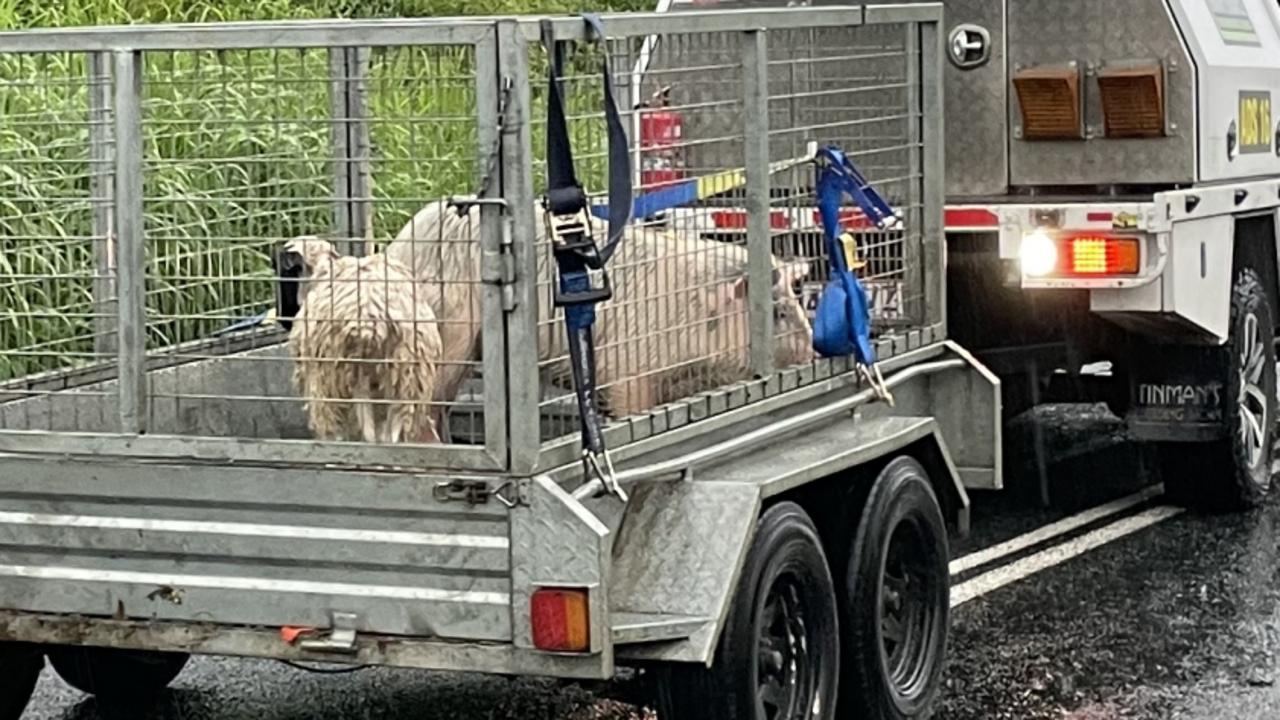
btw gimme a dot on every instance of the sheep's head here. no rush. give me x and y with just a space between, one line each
305 253
298 260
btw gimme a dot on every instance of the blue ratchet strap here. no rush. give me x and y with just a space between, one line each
842 323
574 247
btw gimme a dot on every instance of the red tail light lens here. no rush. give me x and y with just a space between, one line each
1093 255
560 620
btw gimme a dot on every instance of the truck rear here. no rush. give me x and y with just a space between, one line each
162 489
1113 183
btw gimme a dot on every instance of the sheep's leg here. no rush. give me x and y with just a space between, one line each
438 418
397 421
365 417
324 416
430 433
368 423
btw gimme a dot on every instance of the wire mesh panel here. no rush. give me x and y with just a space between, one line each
255 164
237 147
424 135
382 132
56 293
680 329
851 87
154 195
677 323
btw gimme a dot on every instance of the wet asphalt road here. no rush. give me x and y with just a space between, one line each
1180 621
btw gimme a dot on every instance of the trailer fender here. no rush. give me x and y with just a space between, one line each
679 549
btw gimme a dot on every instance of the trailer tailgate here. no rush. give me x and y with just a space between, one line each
252 547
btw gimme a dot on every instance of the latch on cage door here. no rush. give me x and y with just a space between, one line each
477 492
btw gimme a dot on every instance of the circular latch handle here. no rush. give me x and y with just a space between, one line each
969 46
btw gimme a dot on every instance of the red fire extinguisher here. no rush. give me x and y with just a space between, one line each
661 131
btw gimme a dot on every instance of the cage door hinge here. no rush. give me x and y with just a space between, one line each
499 268
507 267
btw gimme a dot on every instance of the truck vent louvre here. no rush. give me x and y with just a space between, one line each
1132 101
1050 101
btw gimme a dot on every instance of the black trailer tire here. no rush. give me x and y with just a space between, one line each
115 676
20 666
778 655
1235 473
897 600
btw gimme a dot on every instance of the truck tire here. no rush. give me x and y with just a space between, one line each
778 655
897 600
20 666
1234 473
115 676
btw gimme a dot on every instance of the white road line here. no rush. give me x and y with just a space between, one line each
1047 558
1052 530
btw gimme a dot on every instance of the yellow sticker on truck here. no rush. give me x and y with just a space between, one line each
1256 134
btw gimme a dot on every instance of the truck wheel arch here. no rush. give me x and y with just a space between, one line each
1257 246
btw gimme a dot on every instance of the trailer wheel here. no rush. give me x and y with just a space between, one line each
1197 474
778 656
20 666
116 676
897 600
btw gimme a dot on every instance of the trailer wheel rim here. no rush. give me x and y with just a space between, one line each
785 674
1252 399
908 615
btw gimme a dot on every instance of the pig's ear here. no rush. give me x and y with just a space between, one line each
788 273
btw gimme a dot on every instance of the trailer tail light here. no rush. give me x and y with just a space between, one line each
1049 98
560 620
1132 101
1101 256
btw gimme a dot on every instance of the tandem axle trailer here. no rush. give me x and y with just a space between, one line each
783 544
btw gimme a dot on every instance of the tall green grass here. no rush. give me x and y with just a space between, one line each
238 155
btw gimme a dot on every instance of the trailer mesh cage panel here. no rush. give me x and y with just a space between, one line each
141 308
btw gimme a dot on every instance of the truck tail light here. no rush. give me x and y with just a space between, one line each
1092 255
1132 101
560 620
1044 256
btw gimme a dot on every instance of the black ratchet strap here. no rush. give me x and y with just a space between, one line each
574 247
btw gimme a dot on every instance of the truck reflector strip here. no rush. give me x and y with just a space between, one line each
957 218
964 218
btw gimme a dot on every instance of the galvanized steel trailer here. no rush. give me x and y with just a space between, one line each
160 494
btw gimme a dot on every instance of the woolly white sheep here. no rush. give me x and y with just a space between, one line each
364 339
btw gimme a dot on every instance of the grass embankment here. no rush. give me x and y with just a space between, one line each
238 153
